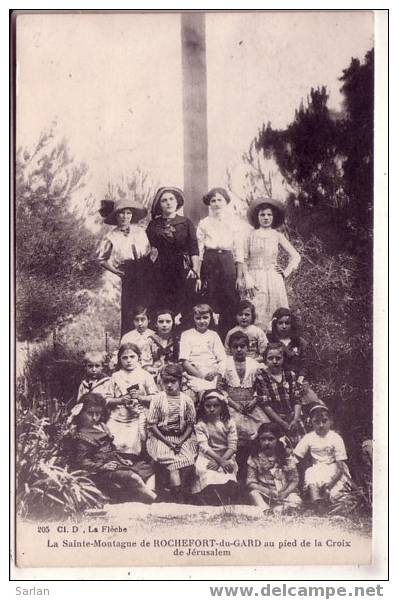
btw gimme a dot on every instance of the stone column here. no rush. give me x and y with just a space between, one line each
193 41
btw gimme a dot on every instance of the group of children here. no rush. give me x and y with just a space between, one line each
186 418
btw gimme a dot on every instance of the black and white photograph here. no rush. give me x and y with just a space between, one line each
193 218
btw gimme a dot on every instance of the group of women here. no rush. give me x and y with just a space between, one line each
171 263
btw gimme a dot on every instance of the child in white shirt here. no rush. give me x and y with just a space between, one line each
201 351
328 476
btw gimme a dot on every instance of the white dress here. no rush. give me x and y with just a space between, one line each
127 423
206 352
261 256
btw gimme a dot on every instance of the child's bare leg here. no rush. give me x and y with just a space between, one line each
292 501
143 489
150 482
176 489
257 500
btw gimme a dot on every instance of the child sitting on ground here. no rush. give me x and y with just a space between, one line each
215 467
328 476
171 442
272 477
130 391
92 449
245 318
94 378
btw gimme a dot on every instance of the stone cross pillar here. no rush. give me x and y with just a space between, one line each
194 86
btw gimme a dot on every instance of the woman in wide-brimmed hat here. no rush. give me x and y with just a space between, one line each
264 278
221 258
174 238
125 251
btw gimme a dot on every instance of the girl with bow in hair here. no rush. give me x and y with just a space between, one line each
91 449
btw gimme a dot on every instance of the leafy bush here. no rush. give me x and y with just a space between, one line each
51 378
354 502
45 487
332 298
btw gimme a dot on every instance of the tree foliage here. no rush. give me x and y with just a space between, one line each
137 185
307 152
326 160
55 252
327 157
357 137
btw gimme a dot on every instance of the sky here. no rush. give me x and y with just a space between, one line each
112 83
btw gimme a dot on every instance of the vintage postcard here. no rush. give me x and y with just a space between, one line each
195 300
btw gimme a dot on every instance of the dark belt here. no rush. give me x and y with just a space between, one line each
126 264
217 251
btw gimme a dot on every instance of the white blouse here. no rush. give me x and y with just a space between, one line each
327 449
119 246
218 234
231 375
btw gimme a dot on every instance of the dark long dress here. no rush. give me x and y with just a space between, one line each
175 240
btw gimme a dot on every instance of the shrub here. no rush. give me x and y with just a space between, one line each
332 298
45 487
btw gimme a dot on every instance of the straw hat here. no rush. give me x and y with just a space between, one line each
109 214
213 192
257 204
156 210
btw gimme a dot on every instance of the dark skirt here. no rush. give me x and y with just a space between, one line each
174 290
137 288
141 465
219 282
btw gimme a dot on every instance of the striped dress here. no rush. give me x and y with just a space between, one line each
172 415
